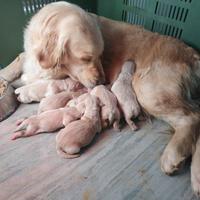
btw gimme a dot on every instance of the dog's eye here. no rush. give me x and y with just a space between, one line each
87 59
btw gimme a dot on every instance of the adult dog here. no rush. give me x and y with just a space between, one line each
60 40
166 80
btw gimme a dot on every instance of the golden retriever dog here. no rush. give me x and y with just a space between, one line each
166 80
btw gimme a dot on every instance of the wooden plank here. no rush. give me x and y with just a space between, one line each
117 165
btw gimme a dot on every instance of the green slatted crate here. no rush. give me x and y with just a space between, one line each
177 18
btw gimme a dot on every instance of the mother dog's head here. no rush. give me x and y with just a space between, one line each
67 40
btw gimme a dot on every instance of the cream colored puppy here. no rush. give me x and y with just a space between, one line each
34 92
48 121
79 102
110 114
78 134
123 90
58 100
63 40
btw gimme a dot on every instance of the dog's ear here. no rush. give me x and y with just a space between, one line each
47 54
54 54
63 52
45 60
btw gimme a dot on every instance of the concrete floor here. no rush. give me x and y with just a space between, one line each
116 166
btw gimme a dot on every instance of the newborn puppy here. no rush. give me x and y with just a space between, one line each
58 100
123 90
41 88
45 122
110 113
79 102
78 134
57 86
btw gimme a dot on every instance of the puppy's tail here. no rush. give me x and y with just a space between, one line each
65 155
14 69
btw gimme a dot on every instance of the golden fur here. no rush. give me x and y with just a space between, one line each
166 83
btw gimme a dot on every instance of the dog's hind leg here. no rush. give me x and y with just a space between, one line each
165 92
183 141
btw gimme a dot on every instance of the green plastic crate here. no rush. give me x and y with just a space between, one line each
177 18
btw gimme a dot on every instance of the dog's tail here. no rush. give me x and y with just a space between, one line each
14 69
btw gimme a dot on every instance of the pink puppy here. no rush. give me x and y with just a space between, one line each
78 134
110 113
34 92
58 100
79 102
123 90
57 86
48 121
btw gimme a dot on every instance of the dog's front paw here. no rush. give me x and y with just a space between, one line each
171 161
22 96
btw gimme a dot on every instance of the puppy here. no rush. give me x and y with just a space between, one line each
57 86
48 121
58 100
80 133
110 114
79 102
34 92
123 90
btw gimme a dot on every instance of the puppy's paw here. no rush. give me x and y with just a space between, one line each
19 121
116 126
18 134
171 161
132 125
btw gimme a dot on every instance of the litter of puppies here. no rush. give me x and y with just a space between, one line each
80 113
